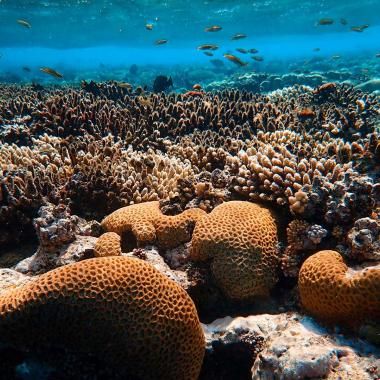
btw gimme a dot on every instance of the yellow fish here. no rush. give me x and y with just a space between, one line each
24 23
160 42
149 26
52 72
238 36
214 28
235 59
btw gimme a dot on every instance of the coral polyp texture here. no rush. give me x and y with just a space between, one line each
148 224
334 292
240 239
120 309
109 244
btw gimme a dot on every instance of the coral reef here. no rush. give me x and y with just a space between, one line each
151 165
332 291
121 309
240 239
148 224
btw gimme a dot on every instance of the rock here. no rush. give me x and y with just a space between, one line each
153 257
63 239
10 278
81 248
364 240
285 346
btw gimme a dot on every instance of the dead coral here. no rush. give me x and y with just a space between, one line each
301 238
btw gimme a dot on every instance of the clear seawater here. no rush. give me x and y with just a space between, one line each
100 39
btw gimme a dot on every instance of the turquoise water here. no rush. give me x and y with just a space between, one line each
81 39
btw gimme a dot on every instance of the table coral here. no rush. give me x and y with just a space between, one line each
332 291
148 224
120 309
240 239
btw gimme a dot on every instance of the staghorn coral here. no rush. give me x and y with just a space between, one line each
148 224
240 239
29 177
108 244
336 293
107 176
93 177
120 309
263 146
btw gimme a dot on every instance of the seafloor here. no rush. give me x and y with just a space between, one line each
302 162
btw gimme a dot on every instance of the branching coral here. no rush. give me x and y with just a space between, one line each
298 148
120 309
240 239
336 293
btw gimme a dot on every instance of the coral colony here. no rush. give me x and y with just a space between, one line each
156 211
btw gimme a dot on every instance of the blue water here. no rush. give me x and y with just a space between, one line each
78 38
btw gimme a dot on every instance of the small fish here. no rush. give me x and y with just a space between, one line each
126 85
316 49
207 47
377 55
208 53
241 50
343 21
27 69
325 21
238 36
336 57
24 23
1 55
359 28
149 26
52 72
214 28
197 87
258 58
253 51
235 59
160 42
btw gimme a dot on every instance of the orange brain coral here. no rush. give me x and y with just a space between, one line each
336 293
109 244
121 309
241 240
148 224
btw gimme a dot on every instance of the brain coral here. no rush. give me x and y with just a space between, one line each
241 240
120 309
148 224
336 293
109 244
